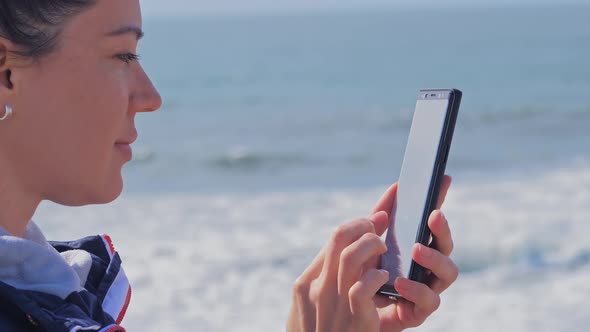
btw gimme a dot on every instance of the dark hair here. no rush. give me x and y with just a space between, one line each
35 25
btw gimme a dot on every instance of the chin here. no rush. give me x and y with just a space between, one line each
109 196
91 196
111 192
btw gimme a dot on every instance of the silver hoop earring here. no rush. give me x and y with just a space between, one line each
7 114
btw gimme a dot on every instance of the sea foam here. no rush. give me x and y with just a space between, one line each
227 262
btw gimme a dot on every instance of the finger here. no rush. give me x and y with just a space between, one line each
425 300
344 236
441 266
362 292
380 221
385 203
314 269
354 257
441 233
444 189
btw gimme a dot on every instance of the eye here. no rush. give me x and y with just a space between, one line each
128 57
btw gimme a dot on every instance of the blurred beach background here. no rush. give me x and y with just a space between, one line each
279 124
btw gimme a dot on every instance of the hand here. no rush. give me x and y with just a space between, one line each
337 291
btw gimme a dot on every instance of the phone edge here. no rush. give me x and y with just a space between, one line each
417 271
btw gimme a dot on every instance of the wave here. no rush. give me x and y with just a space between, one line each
143 154
369 121
526 259
537 221
513 239
242 159
522 114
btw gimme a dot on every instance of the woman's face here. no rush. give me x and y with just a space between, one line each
74 105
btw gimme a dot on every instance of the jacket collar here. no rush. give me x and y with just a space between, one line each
31 263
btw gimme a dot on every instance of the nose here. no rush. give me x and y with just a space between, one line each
146 97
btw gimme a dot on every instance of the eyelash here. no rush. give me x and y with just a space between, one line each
128 57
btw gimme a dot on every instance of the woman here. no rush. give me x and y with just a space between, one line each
70 88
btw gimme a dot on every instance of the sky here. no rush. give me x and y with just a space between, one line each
190 7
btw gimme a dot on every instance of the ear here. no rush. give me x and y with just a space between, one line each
7 63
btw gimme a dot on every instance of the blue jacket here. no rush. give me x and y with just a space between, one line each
40 293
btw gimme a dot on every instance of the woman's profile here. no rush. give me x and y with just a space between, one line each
70 89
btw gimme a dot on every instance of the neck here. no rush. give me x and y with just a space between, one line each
16 206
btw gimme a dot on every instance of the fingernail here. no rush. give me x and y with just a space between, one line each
424 251
384 273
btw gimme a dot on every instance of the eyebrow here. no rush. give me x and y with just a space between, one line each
125 30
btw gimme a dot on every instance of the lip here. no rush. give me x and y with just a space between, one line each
125 150
127 141
124 146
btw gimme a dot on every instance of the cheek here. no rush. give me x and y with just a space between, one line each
98 116
78 118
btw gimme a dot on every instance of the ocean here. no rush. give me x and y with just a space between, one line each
276 128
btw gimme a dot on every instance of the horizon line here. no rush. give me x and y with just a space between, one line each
298 10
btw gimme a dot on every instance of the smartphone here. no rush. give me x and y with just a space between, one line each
420 179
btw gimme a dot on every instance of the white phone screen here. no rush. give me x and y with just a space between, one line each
415 178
